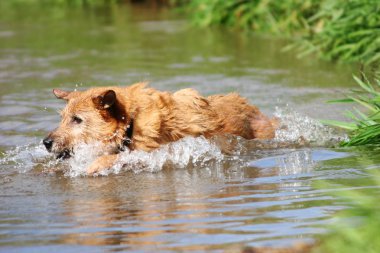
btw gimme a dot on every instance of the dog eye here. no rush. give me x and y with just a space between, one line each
77 120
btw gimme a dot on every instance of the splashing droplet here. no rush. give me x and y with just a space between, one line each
295 127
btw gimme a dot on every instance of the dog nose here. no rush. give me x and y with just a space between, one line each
48 142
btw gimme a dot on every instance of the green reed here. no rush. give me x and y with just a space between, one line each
345 31
364 127
272 16
341 30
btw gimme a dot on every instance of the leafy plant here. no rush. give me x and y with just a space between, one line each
348 31
338 30
272 16
365 127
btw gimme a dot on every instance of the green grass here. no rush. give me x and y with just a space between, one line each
348 31
356 229
337 30
364 128
277 17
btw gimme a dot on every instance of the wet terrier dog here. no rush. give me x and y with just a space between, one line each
142 118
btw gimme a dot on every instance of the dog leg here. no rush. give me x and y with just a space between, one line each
102 163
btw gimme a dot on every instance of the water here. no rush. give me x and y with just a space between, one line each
186 196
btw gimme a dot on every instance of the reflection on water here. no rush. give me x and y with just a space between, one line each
191 196
259 203
202 200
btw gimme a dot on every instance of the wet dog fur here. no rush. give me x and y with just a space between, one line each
142 118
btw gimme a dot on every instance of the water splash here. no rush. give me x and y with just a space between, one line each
187 151
295 127
26 158
180 154
295 131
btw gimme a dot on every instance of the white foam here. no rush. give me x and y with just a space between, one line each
26 158
295 127
187 151
84 155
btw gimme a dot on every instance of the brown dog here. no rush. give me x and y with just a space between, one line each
142 118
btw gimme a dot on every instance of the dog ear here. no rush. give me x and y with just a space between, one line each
61 94
106 100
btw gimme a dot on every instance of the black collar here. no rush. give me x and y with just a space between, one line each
127 140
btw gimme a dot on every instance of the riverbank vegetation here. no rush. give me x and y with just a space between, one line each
355 228
364 128
337 30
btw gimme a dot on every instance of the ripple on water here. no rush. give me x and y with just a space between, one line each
15 110
263 196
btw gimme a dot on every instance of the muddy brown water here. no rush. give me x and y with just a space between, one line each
190 197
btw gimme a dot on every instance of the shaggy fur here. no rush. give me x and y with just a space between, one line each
105 114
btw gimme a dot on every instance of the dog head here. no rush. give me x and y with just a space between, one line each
92 116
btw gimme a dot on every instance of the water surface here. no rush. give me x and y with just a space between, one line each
192 197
